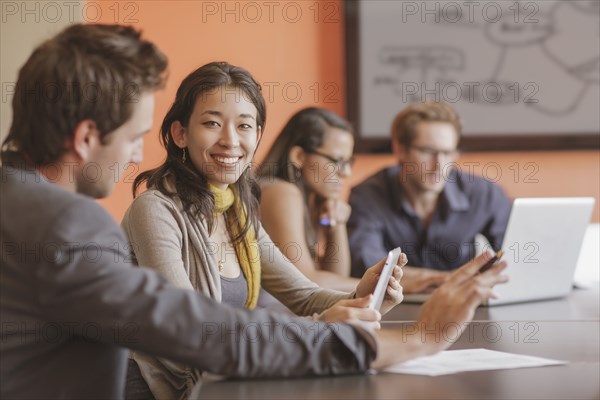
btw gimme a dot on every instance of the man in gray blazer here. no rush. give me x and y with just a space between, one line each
70 303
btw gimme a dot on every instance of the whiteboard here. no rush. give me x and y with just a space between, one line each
508 67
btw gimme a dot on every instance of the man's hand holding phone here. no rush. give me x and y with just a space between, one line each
452 305
490 263
454 302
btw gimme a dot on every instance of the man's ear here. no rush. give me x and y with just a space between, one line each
399 150
178 134
297 156
86 139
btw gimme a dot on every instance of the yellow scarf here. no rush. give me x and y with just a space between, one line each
246 250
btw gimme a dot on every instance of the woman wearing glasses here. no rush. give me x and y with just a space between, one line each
302 179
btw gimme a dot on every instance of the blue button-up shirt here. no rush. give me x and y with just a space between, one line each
382 218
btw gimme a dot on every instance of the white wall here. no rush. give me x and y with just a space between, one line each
24 25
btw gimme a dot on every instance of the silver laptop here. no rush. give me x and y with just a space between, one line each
541 246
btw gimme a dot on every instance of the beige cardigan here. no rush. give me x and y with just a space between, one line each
164 238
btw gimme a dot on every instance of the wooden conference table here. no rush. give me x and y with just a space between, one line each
564 329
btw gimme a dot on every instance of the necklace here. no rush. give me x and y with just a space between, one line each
219 236
222 257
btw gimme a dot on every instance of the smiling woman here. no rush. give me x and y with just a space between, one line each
198 221
221 136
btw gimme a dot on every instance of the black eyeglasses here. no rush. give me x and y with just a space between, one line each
339 163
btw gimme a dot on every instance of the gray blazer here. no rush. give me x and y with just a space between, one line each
70 305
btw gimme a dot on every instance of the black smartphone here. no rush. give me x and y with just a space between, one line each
491 262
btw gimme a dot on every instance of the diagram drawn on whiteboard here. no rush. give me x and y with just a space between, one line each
561 38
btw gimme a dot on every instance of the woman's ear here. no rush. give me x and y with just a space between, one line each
86 139
297 156
258 138
178 134
259 134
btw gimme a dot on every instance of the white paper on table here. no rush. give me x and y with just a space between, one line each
454 361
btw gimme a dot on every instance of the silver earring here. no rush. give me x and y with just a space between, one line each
183 156
294 173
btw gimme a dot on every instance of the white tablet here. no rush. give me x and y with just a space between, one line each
384 278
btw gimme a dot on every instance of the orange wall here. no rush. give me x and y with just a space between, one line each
303 53
280 54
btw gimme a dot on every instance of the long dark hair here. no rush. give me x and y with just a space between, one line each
191 185
306 129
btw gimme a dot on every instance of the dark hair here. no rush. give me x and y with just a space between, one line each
306 129
403 127
92 72
190 185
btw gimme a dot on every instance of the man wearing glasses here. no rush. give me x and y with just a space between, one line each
426 204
